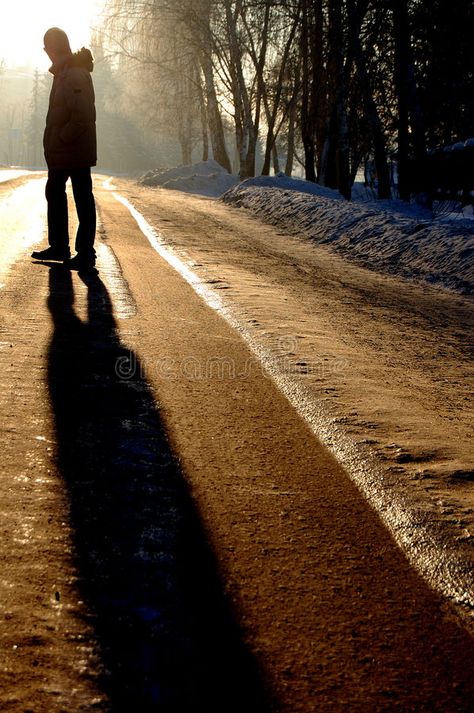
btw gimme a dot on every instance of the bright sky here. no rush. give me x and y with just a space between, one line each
24 22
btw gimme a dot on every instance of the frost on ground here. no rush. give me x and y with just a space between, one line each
388 236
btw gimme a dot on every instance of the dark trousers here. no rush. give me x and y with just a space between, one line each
58 232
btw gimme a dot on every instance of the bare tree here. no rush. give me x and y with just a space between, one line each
197 18
274 100
334 80
311 61
172 44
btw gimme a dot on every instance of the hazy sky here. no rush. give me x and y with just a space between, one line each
24 22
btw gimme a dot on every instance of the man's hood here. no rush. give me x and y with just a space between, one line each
81 58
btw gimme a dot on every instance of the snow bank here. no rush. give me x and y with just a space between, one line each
387 236
284 182
206 178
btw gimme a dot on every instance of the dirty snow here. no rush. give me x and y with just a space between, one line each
388 236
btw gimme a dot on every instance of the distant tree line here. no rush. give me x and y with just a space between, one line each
327 84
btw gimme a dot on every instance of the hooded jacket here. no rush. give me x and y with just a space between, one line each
70 135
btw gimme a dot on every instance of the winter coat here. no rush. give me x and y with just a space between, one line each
70 136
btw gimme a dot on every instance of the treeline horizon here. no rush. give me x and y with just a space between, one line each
328 84
319 88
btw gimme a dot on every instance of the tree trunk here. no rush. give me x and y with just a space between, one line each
342 151
259 62
290 150
242 104
272 114
275 160
204 120
307 117
335 164
319 103
370 108
400 29
216 129
203 115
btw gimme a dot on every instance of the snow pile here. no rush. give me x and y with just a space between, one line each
284 182
206 178
387 236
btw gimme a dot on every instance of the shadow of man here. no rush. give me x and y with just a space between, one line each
167 638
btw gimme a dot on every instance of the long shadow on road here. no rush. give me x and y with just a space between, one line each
167 638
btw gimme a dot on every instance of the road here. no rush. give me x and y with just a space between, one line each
175 536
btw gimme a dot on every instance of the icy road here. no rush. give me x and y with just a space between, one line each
235 471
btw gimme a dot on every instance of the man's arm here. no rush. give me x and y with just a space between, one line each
79 96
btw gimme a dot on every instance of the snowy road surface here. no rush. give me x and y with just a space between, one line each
173 532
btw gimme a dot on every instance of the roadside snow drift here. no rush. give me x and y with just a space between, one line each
390 237
206 178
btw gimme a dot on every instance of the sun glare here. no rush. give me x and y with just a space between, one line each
24 23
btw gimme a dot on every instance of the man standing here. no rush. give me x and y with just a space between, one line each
70 149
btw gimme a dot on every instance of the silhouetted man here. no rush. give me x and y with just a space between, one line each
70 149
